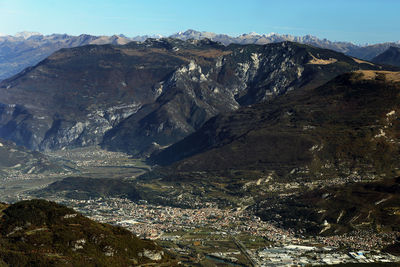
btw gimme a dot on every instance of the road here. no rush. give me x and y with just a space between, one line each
244 251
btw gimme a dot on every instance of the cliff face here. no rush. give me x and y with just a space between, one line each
145 96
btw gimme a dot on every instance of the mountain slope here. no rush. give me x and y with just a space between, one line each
389 57
152 94
244 75
304 116
43 233
343 132
75 95
339 209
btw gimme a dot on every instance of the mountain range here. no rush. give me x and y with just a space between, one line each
366 52
141 97
29 48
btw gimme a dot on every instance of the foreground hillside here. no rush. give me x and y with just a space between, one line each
42 233
343 132
144 96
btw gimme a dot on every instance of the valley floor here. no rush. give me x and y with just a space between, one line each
91 162
205 236
232 237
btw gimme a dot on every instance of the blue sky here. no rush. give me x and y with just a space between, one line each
359 21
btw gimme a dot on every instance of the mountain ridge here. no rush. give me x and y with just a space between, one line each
28 48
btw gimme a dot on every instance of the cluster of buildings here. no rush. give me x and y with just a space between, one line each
91 157
170 224
297 255
152 221
361 239
165 223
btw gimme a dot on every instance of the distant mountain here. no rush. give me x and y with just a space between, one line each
275 155
261 39
29 48
145 96
196 35
26 34
142 38
389 57
366 52
42 233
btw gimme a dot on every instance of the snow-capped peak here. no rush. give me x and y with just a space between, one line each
26 34
253 34
270 34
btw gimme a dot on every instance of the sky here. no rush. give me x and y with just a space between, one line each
357 21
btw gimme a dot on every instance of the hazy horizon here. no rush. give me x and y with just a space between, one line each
177 32
359 22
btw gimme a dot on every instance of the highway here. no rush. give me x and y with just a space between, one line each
244 251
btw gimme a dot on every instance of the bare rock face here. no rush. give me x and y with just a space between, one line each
153 255
140 97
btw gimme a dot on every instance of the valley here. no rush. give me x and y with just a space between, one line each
243 155
204 233
199 133
89 162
